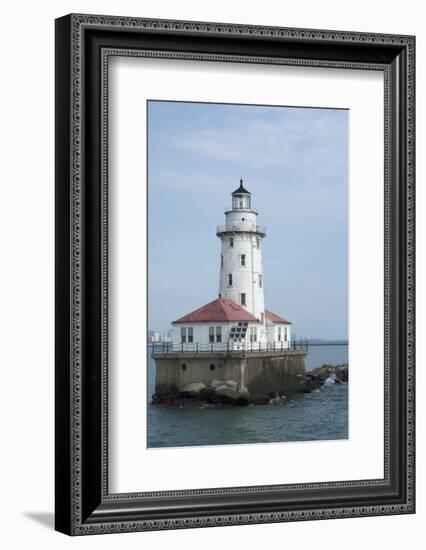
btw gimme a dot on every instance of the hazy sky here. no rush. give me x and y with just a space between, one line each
294 161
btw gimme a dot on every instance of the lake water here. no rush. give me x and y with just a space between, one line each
321 415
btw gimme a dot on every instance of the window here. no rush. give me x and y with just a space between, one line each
243 260
262 317
183 366
279 334
260 280
212 367
231 242
257 242
253 334
187 335
215 333
221 261
230 279
285 334
243 299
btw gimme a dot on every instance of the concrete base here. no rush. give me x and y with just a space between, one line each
262 374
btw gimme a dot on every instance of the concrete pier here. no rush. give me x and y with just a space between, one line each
258 375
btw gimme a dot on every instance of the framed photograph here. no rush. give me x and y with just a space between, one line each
234 274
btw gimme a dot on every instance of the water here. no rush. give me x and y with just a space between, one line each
321 415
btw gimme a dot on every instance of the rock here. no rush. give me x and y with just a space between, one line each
342 373
225 390
325 375
243 392
194 388
197 394
259 400
277 400
232 384
216 383
165 398
232 396
206 394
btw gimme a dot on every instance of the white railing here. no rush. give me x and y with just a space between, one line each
240 229
229 209
249 347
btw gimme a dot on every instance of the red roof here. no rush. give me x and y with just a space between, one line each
276 318
220 310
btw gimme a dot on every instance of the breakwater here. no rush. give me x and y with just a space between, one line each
326 374
228 392
231 378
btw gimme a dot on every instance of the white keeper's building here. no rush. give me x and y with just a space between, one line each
237 319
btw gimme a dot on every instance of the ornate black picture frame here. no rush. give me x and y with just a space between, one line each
83 45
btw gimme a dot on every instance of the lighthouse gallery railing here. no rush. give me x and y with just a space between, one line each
240 228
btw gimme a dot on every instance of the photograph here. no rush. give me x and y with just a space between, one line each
234 232
247 209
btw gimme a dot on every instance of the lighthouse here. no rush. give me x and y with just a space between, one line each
237 318
241 273
232 348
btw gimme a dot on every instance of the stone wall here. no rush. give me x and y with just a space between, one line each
262 374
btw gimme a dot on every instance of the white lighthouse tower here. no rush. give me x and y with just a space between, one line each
241 274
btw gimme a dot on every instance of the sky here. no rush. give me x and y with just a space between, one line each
294 161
